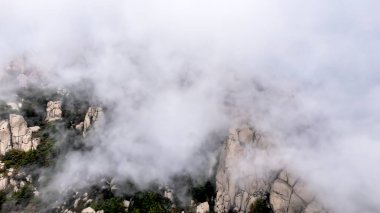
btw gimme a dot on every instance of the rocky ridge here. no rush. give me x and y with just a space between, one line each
282 191
15 134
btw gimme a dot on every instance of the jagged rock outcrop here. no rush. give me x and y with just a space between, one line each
53 111
5 136
15 134
14 180
94 119
22 136
290 194
233 191
284 191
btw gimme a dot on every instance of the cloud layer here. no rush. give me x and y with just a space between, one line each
180 73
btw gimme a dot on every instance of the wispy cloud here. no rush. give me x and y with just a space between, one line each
303 73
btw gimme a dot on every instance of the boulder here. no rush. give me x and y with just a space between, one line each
203 208
79 127
88 210
126 203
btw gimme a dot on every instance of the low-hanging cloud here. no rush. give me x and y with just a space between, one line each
178 73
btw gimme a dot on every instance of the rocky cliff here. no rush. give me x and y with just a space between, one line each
236 192
277 190
281 191
15 134
94 118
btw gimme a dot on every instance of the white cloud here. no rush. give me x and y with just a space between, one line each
304 73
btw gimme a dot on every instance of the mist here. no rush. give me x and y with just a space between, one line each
178 74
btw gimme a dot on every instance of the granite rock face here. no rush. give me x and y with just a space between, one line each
5 136
235 192
22 136
15 134
94 119
203 208
283 191
290 194
53 111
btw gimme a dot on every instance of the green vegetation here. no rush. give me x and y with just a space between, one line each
109 205
16 158
23 196
260 206
34 102
149 202
3 197
203 193
42 156
57 139
73 110
75 105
